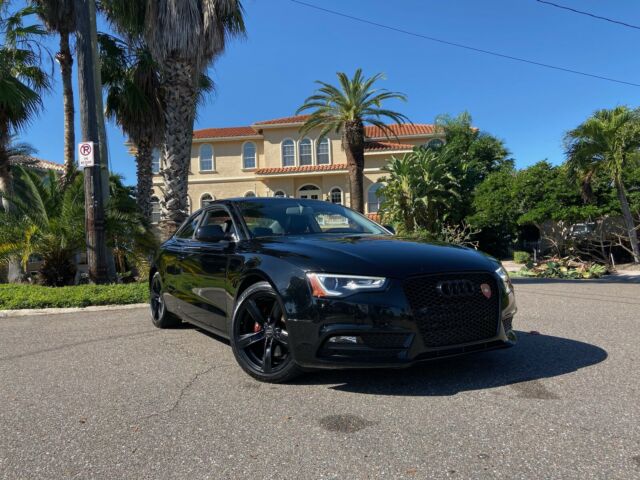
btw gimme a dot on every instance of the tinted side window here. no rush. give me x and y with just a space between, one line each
187 230
220 217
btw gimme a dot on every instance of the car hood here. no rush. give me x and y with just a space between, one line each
384 255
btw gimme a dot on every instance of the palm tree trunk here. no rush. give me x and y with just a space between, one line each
14 270
353 145
145 179
180 104
628 220
65 59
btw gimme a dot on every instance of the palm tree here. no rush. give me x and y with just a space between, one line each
48 221
346 109
419 192
184 38
132 81
59 16
607 143
22 83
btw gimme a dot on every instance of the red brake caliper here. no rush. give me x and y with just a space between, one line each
256 327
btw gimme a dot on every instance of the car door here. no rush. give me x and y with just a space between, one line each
208 263
177 281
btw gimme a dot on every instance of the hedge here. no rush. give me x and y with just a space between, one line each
15 297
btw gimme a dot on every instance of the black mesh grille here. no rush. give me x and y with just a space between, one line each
448 312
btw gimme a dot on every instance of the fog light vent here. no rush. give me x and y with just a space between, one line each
348 339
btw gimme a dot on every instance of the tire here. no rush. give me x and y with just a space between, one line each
160 316
259 336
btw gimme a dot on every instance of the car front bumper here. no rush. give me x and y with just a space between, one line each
381 331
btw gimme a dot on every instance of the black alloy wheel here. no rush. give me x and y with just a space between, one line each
259 335
160 316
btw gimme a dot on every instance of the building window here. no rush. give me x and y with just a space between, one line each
373 198
335 196
310 191
249 155
322 154
280 194
155 210
250 193
306 151
435 143
188 205
206 200
155 161
206 158
288 153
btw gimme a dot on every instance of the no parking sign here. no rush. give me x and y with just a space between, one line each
85 154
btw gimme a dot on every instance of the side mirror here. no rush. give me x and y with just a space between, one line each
390 228
211 234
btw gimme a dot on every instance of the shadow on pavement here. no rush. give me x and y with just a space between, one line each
535 357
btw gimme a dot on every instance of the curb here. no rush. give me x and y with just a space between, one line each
54 311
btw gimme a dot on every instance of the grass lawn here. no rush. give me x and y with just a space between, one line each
15 297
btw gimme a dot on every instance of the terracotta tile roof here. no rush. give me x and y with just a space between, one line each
401 130
278 121
224 132
382 146
36 163
305 168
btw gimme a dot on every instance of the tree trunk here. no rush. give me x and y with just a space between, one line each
353 145
144 152
628 220
65 59
180 105
14 267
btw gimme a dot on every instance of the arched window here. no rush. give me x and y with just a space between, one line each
305 148
188 205
250 193
322 152
310 191
205 200
435 143
249 155
335 196
155 161
155 209
280 194
206 158
373 198
288 153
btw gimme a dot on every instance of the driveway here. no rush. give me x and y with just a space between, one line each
106 395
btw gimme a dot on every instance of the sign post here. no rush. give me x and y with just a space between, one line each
85 154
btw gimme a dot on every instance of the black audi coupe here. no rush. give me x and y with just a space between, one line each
302 284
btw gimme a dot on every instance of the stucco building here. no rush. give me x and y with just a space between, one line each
271 158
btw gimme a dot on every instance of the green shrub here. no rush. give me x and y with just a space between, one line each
521 257
14 297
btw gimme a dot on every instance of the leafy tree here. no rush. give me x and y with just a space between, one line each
59 16
472 155
419 192
346 109
608 143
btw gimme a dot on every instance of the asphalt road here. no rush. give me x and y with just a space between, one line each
106 395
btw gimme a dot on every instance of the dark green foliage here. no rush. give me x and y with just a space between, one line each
14 297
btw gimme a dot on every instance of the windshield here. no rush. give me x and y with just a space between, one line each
291 216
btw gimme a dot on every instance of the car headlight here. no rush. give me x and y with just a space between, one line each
504 276
337 285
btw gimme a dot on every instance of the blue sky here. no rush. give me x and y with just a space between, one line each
289 46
